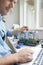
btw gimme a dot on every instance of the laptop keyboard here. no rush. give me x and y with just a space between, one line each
39 59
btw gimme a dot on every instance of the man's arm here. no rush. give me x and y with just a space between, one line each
22 56
8 60
18 30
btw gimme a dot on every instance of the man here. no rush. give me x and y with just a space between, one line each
6 58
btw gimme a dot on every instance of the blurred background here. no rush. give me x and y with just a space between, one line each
27 12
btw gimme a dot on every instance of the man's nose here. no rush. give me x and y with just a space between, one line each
11 5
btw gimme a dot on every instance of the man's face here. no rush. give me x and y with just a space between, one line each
6 5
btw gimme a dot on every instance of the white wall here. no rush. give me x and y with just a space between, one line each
41 18
40 34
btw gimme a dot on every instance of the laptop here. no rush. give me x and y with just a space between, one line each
37 57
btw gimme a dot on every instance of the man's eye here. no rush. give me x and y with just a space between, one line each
11 0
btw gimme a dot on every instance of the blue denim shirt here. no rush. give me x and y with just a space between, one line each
4 32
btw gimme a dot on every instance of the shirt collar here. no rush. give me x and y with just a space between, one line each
0 17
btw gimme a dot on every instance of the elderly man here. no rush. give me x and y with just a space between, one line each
6 58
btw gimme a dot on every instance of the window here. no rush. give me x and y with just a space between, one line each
31 13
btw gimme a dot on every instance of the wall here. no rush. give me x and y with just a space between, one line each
40 34
41 18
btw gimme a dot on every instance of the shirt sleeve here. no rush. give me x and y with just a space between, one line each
4 49
8 31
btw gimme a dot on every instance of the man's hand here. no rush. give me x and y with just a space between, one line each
24 28
24 55
18 30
